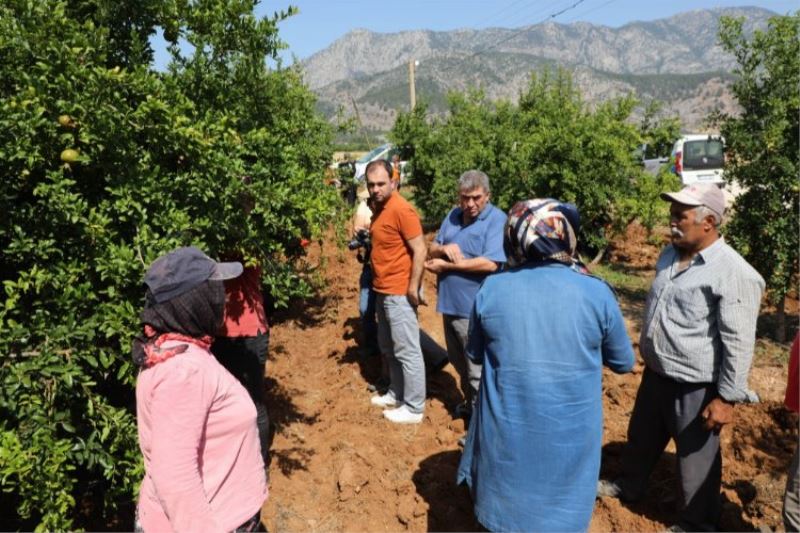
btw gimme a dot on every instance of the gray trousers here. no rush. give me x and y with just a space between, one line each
455 336
398 338
667 409
791 498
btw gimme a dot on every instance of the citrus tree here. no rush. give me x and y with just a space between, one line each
107 164
658 131
549 144
763 149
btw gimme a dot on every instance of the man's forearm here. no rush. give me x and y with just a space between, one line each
476 265
417 267
732 381
418 252
736 322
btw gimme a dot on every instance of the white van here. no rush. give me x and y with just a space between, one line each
385 151
699 158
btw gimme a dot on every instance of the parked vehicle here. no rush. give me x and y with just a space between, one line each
699 159
650 161
384 151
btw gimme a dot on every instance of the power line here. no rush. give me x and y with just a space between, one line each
528 12
521 30
576 17
485 21
573 6
516 33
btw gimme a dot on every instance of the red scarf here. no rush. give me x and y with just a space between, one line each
154 354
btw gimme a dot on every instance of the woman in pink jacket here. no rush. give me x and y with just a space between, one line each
197 423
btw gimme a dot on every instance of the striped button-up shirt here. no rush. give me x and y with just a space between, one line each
700 322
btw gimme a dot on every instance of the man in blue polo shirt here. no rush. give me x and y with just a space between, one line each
468 248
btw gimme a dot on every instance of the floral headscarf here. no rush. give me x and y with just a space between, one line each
541 229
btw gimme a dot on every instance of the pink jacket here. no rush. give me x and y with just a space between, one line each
197 432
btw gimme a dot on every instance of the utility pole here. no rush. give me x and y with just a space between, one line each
361 124
412 86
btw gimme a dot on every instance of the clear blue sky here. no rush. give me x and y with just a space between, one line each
321 22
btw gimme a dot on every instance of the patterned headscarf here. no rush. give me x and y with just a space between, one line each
541 229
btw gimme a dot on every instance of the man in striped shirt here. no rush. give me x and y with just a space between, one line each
697 344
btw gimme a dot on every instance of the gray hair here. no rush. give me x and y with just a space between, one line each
472 179
702 211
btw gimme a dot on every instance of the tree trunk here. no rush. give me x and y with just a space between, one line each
599 256
780 327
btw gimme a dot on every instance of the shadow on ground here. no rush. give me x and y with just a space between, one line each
305 312
661 499
282 413
449 506
440 385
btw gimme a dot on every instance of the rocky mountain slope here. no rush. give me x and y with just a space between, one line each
675 60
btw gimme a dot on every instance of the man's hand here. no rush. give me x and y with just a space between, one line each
717 413
418 253
415 298
453 252
437 266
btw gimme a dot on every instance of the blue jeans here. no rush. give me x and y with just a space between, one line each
398 336
366 310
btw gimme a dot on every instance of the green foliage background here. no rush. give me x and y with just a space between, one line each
165 160
550 144
763 145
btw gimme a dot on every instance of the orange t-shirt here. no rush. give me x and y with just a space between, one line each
396 173
244 306
391 227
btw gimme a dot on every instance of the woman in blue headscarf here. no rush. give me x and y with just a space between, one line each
542 329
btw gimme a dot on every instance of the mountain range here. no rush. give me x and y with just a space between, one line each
675 60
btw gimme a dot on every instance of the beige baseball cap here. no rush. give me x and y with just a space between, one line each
707 194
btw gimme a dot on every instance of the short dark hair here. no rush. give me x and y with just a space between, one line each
379 163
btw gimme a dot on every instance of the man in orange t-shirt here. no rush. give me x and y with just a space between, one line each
398 257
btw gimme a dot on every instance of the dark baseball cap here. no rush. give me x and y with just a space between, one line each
184 269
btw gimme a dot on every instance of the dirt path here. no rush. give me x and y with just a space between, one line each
339 466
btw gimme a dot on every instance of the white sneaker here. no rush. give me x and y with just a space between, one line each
387 400
402 415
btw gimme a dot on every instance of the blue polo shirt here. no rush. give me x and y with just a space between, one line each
483 237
